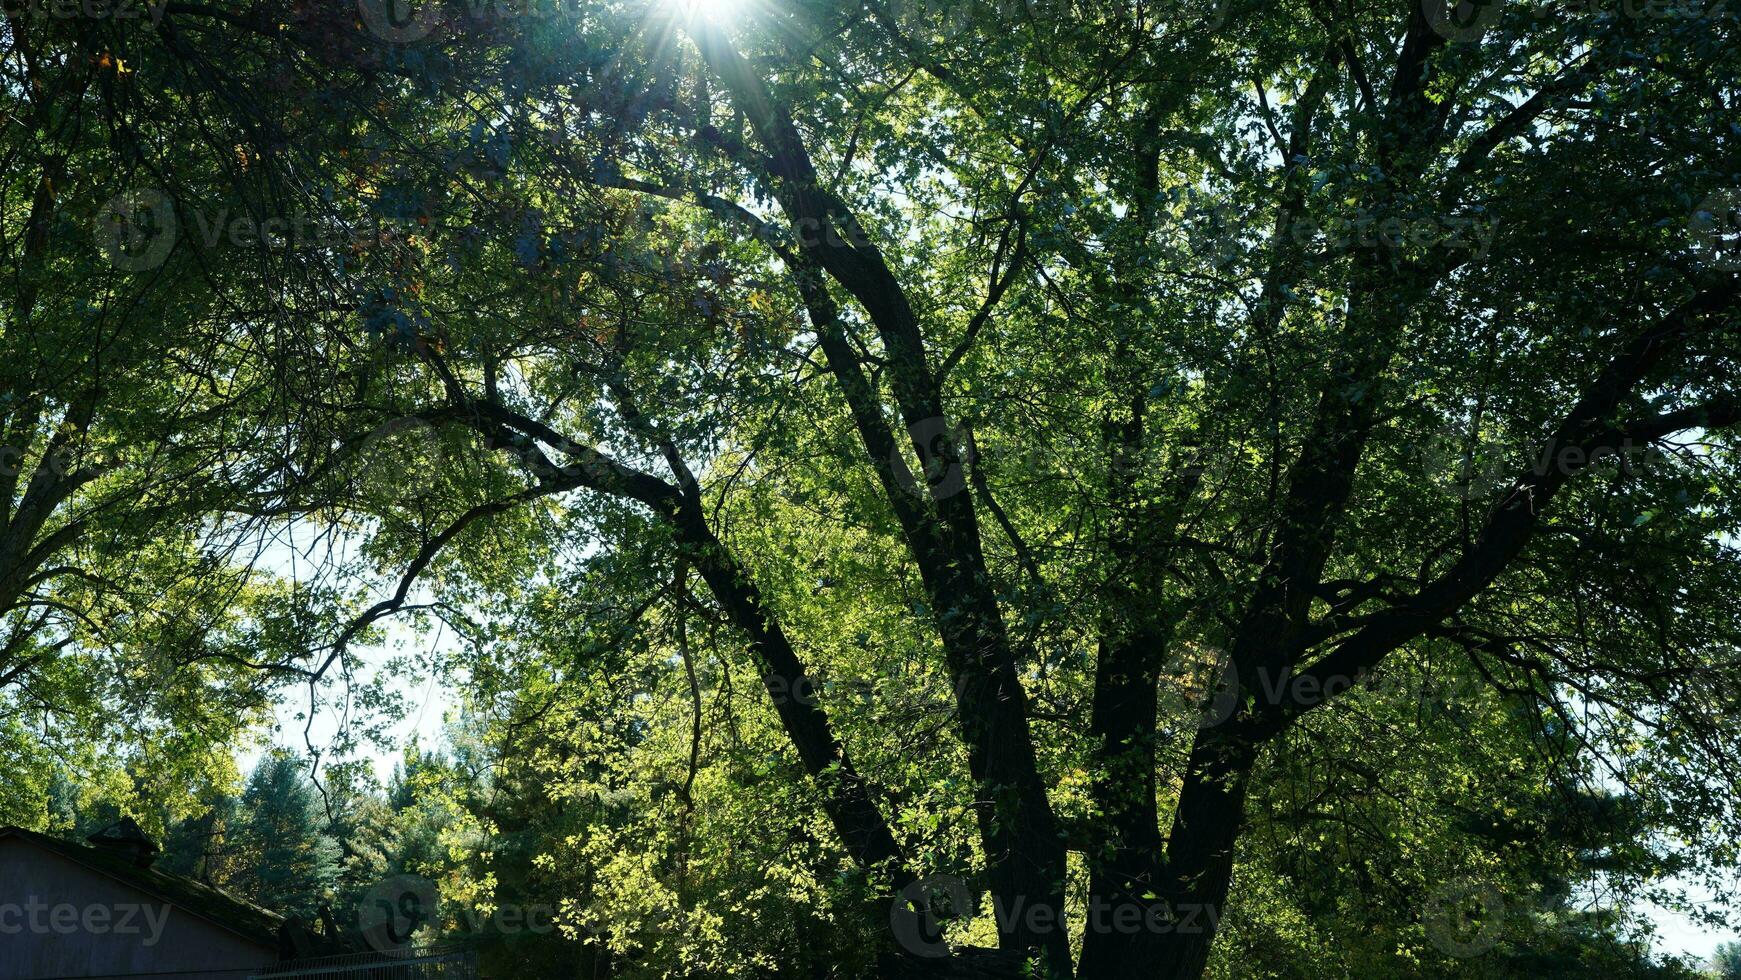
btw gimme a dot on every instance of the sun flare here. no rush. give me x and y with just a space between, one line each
718 11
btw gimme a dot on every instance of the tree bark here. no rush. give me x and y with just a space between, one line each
1024 850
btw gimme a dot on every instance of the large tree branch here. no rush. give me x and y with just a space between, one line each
847 795
1587 433
1017 826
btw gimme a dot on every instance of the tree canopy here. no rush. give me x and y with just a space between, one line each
1102 489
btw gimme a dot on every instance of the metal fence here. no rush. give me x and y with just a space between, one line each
412 964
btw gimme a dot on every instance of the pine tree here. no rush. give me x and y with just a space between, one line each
1727 961
286 862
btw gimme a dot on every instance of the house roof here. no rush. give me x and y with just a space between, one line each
126 835
214 905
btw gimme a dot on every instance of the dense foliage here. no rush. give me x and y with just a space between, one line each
1089 488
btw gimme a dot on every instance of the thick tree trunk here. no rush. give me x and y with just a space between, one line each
1124 865
1024 852
1206 827
1168 936
1024 849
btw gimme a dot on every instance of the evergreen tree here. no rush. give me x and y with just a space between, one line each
286 862
202 846
366 829
1727 961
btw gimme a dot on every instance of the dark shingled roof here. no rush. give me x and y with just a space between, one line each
124 834
214 905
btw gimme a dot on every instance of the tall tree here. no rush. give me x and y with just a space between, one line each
285 860
1728 961
1081 346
